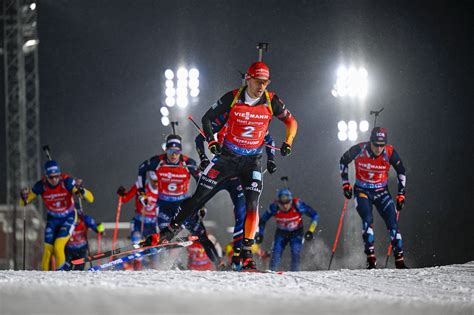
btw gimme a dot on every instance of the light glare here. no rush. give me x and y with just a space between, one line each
169 74
165 121
164 111
194 92
170 101
170 92
193 73
352 135
352 125
342 136
342 126
182 74
193 83
364 125
182 101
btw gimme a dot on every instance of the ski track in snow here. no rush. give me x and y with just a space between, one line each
438 290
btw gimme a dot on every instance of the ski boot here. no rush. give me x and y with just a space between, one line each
371 259
236 262
400 261
248 264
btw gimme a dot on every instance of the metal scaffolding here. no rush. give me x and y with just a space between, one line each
20 56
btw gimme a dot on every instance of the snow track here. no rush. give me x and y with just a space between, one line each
440 290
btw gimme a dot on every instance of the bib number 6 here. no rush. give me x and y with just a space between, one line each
172 187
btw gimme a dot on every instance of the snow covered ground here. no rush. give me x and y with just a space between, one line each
440 290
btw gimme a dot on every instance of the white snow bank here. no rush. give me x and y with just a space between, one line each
440 290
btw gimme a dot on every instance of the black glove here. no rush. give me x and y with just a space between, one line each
309 236
259 238
79 184
204 162
400 201
285 149
271 166
214 147
121 191
347 189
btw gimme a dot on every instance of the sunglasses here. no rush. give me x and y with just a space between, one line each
171 151
54 176
378 145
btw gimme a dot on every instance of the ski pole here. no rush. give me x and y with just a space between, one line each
204 135
85 224
24 237
99 239
341 219
390 245
117 218
142 227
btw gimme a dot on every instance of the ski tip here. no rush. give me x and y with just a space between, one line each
78 261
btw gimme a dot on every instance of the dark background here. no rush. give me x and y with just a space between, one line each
102 76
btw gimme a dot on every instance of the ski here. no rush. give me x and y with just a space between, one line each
140 254
262 271
129 249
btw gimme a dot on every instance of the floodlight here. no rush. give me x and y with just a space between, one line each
342 126
193 73
342 136
170 92
169 83
364 125
352 125
194 92
352 135
165 121
182 101
164 111
170 101
182 83
193 83
169 74
182 74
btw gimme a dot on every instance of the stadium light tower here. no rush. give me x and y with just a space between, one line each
350 130
181 88
351 82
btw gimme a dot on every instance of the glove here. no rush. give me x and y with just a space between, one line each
121 191
271 166
151 240
100 228
259 238
214 147
347 188
204 162
400 201
142 198
309 236
24 193
78 183
285 149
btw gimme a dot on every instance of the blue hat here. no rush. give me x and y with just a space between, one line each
51 167
173 142
284 195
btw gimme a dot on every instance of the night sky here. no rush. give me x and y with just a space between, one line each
102 84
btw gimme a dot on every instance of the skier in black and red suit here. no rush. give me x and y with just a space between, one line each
250 110
372 164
